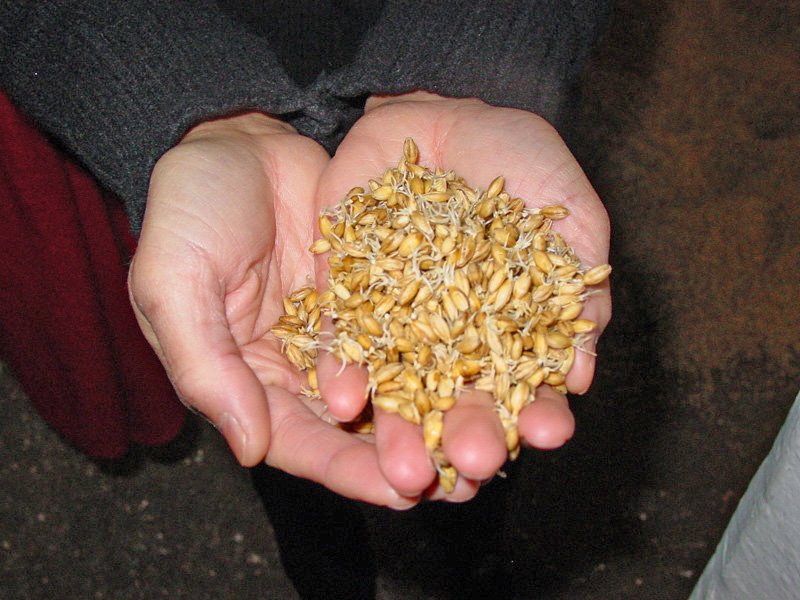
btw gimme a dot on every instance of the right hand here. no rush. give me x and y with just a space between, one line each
225 238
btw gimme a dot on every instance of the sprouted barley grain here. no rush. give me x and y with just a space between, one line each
434 286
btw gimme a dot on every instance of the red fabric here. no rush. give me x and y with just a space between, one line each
66 328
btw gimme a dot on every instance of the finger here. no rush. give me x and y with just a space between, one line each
342 386
307 447
464 490
597 310
190 332
547 422
473 438
402 455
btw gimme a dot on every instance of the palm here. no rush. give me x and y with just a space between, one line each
478 142
266 250
253 250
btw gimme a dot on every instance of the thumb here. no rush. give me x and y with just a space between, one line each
183 318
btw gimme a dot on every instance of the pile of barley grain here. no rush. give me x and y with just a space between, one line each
434 286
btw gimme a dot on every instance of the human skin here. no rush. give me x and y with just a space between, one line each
478 142
230 215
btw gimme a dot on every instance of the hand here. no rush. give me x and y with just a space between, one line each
478 142
225 238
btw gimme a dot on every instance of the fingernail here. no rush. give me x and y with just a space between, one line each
234 435
402 503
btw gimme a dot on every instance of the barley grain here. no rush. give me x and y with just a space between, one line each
435 286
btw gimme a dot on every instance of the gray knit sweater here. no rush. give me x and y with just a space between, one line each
118 82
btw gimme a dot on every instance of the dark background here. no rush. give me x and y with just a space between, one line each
689 127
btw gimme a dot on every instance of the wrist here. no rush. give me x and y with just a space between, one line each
250 124
374 102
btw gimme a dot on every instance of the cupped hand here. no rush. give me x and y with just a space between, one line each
225 238
478 142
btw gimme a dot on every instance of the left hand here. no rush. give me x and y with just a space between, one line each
478 142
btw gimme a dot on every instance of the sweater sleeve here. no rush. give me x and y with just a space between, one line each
118 82
517 53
